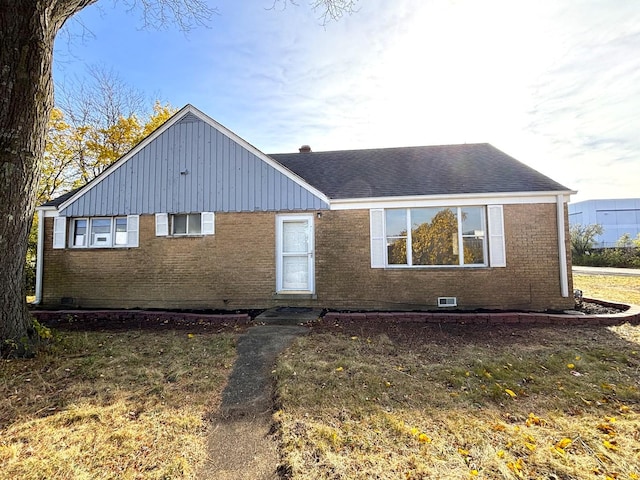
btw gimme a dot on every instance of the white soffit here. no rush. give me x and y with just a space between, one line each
449 200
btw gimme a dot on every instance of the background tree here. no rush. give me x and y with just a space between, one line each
625 241
95 123
583 237
104 118
77 152
28 29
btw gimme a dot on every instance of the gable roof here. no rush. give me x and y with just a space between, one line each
191 163
416 171
299 180
55 202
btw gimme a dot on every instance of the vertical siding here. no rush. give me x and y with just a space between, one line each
222 176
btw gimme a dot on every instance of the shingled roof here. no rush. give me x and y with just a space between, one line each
408 171
56 202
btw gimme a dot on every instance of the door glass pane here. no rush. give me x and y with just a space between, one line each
295 237
296 273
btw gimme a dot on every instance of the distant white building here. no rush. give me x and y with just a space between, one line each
617 217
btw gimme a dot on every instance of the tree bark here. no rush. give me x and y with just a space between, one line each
27 33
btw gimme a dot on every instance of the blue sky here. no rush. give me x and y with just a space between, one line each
554 83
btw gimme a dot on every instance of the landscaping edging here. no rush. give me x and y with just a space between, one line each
632 315
142 318
169 319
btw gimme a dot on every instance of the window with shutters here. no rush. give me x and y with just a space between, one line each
103 232
437 237
185 224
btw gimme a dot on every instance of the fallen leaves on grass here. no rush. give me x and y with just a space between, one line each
112 405
451 391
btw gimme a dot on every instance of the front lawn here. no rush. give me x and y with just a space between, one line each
362 401
354 401
112 405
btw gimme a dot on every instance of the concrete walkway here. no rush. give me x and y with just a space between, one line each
241 444
621 272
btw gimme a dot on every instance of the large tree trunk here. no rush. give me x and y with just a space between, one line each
27 33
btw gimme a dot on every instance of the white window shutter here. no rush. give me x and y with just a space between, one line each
133 227
377 238
162 224
497 250
207 220
59 231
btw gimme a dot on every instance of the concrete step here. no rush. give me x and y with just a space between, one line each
288 316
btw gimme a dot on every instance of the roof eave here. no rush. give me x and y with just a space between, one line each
450 199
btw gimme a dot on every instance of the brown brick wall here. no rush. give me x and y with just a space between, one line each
235 268
531 280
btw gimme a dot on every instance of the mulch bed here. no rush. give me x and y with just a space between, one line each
239 320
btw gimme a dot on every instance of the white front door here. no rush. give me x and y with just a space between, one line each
294 255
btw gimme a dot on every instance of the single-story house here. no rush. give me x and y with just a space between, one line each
195 217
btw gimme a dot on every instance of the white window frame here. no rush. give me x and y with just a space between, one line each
132 232
110 234
379 250
165 224
187 216
72 234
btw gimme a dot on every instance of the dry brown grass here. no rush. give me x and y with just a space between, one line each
422 402
609 287
112 405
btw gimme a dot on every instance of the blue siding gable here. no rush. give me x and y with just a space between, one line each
193 165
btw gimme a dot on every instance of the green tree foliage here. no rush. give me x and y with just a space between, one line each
583 238
28 29
626 254
74 155
77 153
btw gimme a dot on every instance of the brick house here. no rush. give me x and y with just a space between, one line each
195 217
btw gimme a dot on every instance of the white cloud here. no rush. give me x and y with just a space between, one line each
555 84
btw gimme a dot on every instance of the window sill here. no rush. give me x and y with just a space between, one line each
109 247
199 235
433 267
295 296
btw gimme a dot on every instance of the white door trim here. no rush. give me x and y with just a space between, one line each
310 254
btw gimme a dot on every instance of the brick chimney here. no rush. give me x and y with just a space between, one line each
305 149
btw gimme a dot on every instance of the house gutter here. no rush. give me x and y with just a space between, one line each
39 257
460 200
562 247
